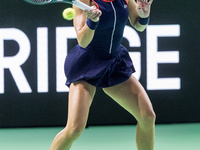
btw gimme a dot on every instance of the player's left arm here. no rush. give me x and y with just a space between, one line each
139 12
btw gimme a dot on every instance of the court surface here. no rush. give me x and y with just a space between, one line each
168 137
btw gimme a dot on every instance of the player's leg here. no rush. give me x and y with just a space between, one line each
80 98
132 96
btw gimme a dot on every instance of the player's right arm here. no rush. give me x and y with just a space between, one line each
84 33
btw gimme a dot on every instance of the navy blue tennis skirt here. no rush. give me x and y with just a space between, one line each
97 68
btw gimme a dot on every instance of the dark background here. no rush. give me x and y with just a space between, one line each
50 109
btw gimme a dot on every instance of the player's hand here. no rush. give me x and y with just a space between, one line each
93 14
143 8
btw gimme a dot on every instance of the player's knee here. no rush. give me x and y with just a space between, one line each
76 130
148 118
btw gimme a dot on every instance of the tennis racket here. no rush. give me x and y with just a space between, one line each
77 3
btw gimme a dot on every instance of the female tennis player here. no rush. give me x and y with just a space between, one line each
99 60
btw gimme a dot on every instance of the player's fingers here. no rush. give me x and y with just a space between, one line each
140 2
90 11
151 1
94 7
96 15
87 12
140 5
99 13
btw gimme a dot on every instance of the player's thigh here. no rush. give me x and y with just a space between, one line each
132 97
81 95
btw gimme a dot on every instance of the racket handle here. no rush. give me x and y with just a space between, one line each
81 5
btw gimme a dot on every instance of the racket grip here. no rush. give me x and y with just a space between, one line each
81 5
